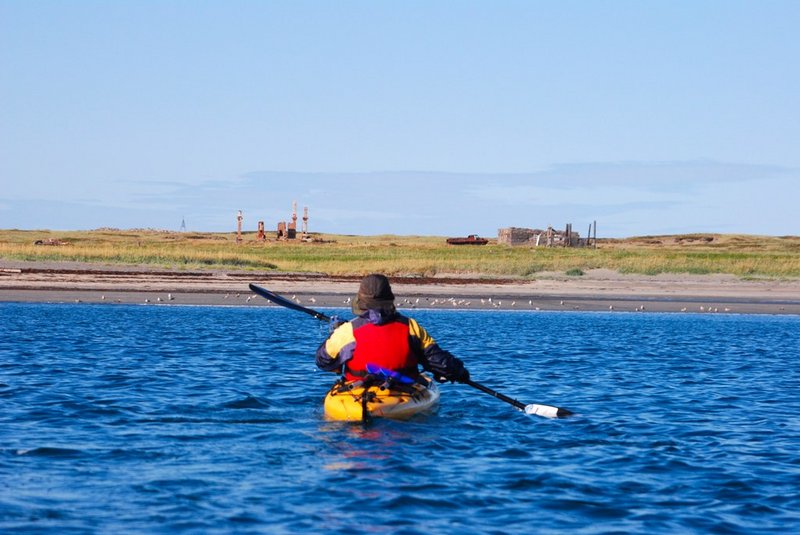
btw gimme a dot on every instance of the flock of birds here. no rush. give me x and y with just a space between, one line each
450 302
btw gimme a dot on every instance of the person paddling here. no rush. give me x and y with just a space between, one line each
380 338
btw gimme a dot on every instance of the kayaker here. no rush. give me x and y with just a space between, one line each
379 337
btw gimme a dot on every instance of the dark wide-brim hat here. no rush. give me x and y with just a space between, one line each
375 292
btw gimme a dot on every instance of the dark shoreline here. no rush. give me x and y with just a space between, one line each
465 301
599 290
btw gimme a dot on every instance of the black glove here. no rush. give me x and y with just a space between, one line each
445 367
460 375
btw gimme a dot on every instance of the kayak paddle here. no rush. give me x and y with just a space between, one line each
280 300
539 410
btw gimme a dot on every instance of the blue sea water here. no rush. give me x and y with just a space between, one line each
147 419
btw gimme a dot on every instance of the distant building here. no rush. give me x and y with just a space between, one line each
516 235
539 238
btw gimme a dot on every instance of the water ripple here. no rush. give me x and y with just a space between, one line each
164 419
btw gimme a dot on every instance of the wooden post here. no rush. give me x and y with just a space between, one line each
595 234
239 227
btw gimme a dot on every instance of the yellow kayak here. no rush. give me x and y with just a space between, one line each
345 401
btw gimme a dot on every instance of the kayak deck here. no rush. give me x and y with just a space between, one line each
345 401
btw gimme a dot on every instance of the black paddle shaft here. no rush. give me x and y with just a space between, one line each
498 395
282 301
560 412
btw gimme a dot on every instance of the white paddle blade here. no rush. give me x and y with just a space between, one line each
542 410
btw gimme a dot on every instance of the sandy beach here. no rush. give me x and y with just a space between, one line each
597 290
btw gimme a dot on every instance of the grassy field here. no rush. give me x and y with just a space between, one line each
741 255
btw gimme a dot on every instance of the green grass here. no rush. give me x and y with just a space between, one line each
743 256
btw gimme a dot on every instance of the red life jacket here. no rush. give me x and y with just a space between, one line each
381 345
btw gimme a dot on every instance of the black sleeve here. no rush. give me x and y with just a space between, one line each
439 362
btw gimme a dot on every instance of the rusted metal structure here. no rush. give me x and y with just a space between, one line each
472 239
291 230
288 231
261 236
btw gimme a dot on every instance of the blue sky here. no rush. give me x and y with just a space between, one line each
413 117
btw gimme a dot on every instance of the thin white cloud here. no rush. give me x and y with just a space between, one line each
587 196
626 198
